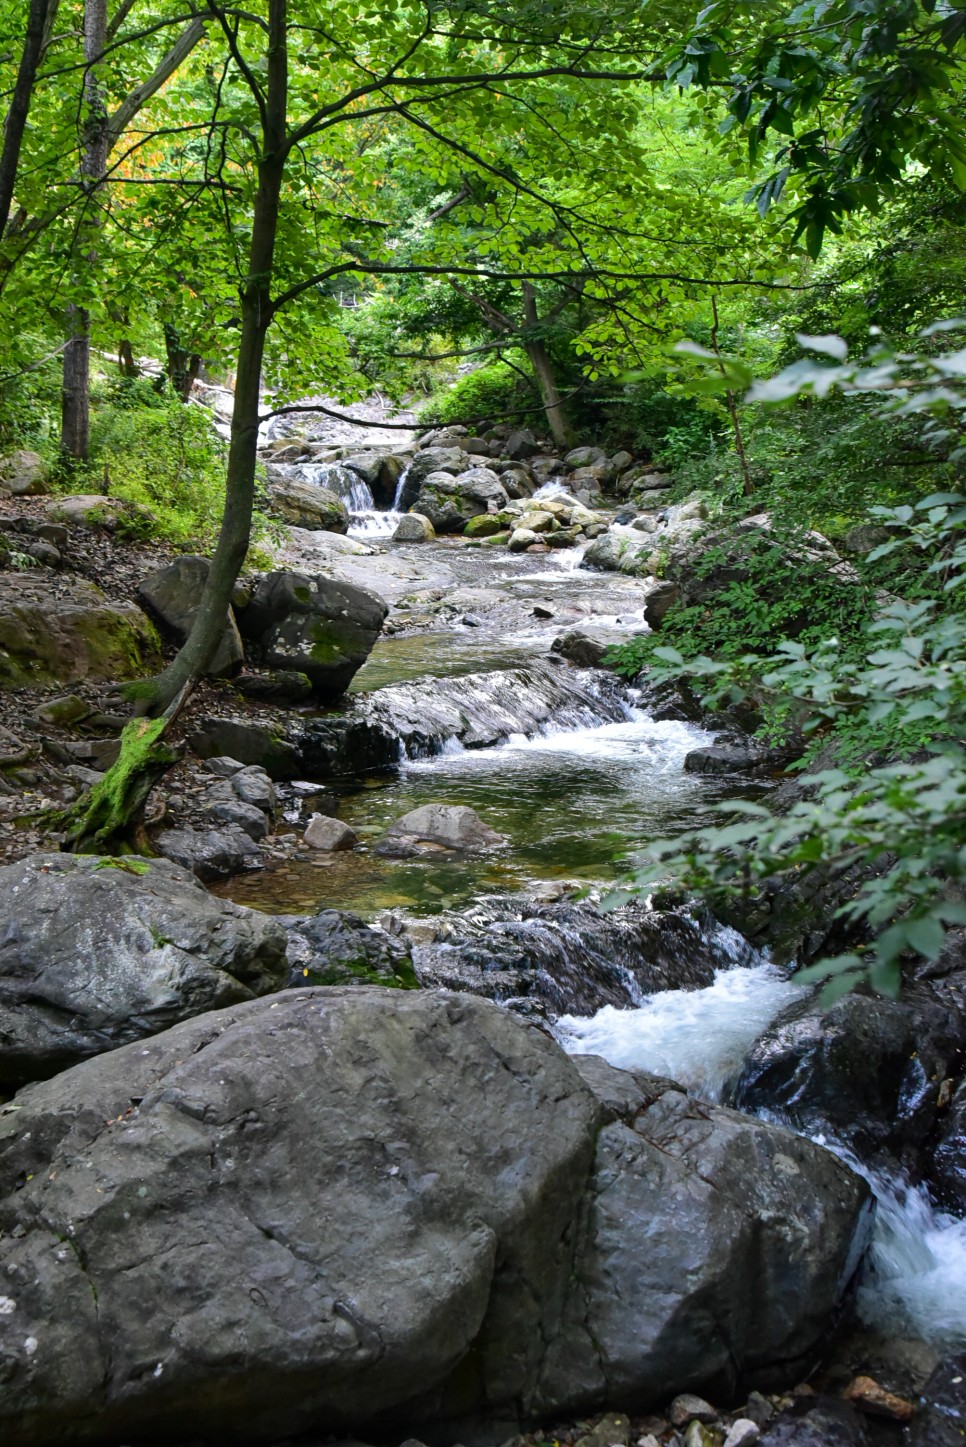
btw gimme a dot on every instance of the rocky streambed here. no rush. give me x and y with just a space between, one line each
255 1184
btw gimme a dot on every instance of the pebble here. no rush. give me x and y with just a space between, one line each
688 1408
743 1433
870 1397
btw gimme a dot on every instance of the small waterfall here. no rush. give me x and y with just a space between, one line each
483 709
570 956
353 490
397 502
915 1275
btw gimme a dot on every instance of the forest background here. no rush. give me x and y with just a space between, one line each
607 221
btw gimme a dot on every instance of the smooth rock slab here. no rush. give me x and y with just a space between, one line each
93 956
444 826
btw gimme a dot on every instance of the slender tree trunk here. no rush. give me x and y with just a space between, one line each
75 397
256 316
16 122
557 419
731 401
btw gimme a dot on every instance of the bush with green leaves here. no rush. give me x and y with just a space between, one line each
893 814
487 393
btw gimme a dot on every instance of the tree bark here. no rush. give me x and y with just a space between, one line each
16 122
256 316
557 419
75 395
183 366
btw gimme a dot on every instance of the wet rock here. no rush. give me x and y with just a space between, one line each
210 854
865 1071
659 602
314 625
443 826
335 947
95 953
947 1158
866 536
569 956
621 461
822 1422
582 648
941 1418
436 459
222 767
521 540
173 594
484 526
734 759
64 631
23 474
325 833
305 505
449 502
414 528
381 471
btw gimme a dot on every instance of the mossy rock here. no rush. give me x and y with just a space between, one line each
335 947
51 636
484 526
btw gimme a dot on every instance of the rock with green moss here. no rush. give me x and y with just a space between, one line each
24 474
335 947
56 632
314 625
305 505
487 525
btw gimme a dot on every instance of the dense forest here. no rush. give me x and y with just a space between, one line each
482 519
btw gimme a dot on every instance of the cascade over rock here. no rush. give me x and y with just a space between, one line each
351 1206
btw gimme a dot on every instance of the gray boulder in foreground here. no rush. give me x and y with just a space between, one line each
336 1207
94 955
439 826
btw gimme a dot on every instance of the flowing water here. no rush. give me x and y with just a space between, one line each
915 1276
574 791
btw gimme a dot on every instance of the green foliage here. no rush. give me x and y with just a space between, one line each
895 818
487 393
162 456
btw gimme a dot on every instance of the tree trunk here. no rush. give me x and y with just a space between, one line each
75 397
183 366
16 122
557 419
256 316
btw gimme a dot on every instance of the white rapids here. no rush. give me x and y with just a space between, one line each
915 1275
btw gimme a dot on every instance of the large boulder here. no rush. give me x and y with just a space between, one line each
450 501
56 631
335 947
315 626
211 854
352 1205
172 594
95 953
304 505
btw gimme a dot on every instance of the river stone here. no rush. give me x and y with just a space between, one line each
95 953
246 817
172 595
290 1194
57 631
328 834
436 459
449 502
354 1205
521 539
314 625
520 445
584 457
305 505
825 1422
947 1161
583 648
24 474
445 826
211 854
335 947
414 528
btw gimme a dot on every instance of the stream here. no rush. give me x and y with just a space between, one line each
573 799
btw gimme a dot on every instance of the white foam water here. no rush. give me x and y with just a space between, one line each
915 1274
374 524
697 1037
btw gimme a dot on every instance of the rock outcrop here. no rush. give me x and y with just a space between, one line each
55 631
172 595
